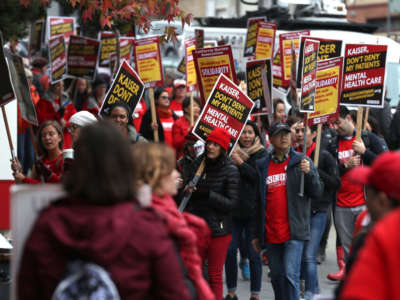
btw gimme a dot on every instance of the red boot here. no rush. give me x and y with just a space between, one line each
342 266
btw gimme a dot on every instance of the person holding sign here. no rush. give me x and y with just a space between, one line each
78 92
120 115
283 227
165 119
49 167
178 96
56 106
350 153
246 153
181 126
213 200
100 220
329 173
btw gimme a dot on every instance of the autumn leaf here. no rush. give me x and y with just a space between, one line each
105 21
107 4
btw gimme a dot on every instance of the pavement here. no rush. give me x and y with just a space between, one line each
327 287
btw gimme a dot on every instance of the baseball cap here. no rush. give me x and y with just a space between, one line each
383 174
277 127
179 82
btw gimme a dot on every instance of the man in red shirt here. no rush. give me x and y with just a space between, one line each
350 202
283 223
178 95
375 272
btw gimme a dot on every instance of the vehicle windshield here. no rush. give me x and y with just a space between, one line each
393 83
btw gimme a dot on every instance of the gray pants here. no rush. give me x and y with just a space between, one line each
345 219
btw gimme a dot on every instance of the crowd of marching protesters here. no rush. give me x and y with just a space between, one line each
120 210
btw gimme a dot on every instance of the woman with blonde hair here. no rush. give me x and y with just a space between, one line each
155 167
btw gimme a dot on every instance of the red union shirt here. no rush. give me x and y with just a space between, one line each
349 194
276 208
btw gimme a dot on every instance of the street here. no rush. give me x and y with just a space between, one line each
327 287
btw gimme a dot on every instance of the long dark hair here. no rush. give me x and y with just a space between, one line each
56 125
103 169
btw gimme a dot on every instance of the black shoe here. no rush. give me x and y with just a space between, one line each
228 297
321 256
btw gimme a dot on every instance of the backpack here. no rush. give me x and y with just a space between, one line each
85 281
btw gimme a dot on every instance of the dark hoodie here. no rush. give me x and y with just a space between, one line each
131 244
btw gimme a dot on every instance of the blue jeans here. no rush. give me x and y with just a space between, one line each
309 263
240 226
284 262
25 152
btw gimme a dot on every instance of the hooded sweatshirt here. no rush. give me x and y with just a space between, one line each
130 243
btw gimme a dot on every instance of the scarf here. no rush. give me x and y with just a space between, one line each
164 113
245 153
185 229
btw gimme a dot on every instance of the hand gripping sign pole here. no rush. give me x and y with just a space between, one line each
191 185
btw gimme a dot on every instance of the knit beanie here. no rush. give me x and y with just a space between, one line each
220 136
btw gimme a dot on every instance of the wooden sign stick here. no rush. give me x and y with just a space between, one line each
153 114
359 122
191 109
366 118
10 143
317 145
192 184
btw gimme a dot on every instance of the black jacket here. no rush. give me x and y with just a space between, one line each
374 146
147 131
216 195
299 208
248 190
329 173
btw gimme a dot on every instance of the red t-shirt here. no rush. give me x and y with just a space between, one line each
55 165
349 194
167 124
176 108
140 110
276 208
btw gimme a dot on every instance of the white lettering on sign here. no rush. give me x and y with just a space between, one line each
309 48
356 51
230 90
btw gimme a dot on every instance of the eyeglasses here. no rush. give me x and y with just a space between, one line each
73 127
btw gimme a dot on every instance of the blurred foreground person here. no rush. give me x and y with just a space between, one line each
214 199
100 222
375 272
49 166
350 153
155 165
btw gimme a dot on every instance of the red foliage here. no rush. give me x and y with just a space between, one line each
142 11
